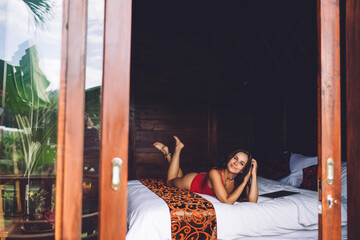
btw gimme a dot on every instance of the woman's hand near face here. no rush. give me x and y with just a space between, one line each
253 195
219 188
254 167
247 176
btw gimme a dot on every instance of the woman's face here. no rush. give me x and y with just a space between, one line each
237 163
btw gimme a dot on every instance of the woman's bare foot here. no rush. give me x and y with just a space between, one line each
179 144
163 148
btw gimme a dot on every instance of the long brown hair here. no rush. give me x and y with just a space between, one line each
244 196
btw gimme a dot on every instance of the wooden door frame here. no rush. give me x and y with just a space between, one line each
115 117
329 117
114 123
69 172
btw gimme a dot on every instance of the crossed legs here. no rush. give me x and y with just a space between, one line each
174 165
175 177
165 150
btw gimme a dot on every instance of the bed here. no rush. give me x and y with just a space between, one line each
289 217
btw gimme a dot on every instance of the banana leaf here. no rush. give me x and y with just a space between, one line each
32 109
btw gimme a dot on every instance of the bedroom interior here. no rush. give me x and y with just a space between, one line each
240 74
238 79
245 77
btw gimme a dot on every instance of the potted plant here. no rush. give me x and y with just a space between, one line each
40 219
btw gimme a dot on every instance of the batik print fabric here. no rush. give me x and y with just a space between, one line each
192 216
310 178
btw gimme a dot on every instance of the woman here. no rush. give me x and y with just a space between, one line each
228 183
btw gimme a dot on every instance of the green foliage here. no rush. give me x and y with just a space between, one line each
10 142
40 9
92 105
33 111
6 166
26 85
37 202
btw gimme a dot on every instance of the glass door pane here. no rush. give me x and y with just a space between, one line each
30 49
93 86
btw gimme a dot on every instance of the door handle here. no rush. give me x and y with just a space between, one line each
116 173
330 171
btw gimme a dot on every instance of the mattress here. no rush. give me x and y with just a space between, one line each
289 217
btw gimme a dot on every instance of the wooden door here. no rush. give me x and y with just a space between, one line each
71 121
329 122
114 120
115 117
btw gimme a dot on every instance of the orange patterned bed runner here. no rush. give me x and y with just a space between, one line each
192 216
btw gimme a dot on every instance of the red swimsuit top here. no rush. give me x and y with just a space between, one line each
200 184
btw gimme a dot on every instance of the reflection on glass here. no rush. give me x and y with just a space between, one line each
92 118
30 41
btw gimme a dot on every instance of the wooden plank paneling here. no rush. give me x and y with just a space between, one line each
329 116
353 115
169 102
71 122
169 112
193 139
187 82
115 117
170 88
213 96
189 123
132 133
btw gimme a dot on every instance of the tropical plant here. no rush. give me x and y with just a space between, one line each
41 10
34 110
38 212
10 143
28 107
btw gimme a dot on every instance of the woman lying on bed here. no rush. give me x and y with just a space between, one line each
229 183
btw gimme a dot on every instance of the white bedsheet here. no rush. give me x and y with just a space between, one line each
149 217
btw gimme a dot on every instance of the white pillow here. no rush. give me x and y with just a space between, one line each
298 162
294 179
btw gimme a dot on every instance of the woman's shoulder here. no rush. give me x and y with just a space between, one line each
214 171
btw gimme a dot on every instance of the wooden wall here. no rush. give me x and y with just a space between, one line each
353 115
237 75
170 90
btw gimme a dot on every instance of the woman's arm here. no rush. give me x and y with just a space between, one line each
220 190
253 195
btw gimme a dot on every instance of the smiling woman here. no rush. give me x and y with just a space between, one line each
229 182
